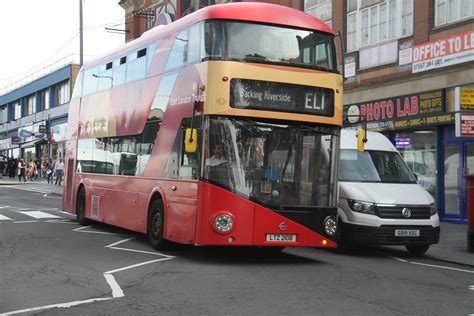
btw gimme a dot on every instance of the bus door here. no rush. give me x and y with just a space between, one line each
181 189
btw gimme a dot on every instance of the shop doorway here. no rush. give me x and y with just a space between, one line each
458 157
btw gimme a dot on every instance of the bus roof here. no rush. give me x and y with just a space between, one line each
236 11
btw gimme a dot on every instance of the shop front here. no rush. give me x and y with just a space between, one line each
57 140
422 129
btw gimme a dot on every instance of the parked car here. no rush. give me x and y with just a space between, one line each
380 201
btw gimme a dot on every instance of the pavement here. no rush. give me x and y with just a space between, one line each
452 246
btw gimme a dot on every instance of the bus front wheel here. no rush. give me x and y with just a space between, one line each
81 207
156 224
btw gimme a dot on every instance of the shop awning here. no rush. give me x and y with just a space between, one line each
33 143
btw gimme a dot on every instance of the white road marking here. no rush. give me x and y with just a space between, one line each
66 213
39 214
4 206
119 242
81 230
117 291
137 265
61 305
430 265
4 218
471 287
21 222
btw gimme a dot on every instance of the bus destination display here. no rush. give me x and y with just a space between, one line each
275 96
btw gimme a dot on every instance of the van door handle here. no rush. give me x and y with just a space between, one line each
173 188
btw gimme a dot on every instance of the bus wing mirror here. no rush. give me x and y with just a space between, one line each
190 140
361 139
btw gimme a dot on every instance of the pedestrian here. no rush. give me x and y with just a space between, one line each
49 171
58 170
38 168
13 165
31 170
3 164
21 170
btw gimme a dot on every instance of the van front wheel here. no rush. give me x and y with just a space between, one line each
417 250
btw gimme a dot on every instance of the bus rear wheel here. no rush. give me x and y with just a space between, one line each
156 224
81 207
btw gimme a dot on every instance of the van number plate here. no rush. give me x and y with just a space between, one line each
281 237
407 232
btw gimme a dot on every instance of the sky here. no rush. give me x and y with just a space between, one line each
36 34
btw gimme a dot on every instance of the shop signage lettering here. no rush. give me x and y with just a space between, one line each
400 112
443 52
467 125
467 98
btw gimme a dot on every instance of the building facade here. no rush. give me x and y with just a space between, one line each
409 73
33 117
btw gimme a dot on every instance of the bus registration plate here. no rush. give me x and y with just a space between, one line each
281 237
407 232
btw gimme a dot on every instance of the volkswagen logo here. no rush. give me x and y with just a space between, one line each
282 226
406 212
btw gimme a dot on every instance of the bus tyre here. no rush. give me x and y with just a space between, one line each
417 250
81 207
155 225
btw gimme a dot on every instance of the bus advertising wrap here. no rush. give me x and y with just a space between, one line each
274 96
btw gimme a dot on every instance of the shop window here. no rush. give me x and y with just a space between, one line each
451 11
419 151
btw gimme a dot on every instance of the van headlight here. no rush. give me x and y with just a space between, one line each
432 209
362 207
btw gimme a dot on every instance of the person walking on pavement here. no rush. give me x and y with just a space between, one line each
49 171
58 170
21 170
31 170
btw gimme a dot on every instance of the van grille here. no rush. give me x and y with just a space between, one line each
395 212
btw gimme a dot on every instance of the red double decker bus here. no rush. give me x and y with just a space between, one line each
221 128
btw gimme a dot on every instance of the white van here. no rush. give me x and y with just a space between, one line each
380 201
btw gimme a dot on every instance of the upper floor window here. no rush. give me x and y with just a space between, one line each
449 11
17 109
321 9
44 100
3 115
61 93
373 21
30 104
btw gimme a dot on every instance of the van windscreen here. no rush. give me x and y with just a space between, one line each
373 166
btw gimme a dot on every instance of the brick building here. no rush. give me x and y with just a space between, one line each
408 67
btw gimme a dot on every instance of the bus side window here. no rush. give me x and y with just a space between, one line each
194 44
178 54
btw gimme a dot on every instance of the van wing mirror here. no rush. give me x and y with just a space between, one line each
361 139
190 140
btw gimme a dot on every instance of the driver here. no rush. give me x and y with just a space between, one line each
217 158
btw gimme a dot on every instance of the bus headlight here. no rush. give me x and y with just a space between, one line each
330 225
223 223
432 209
